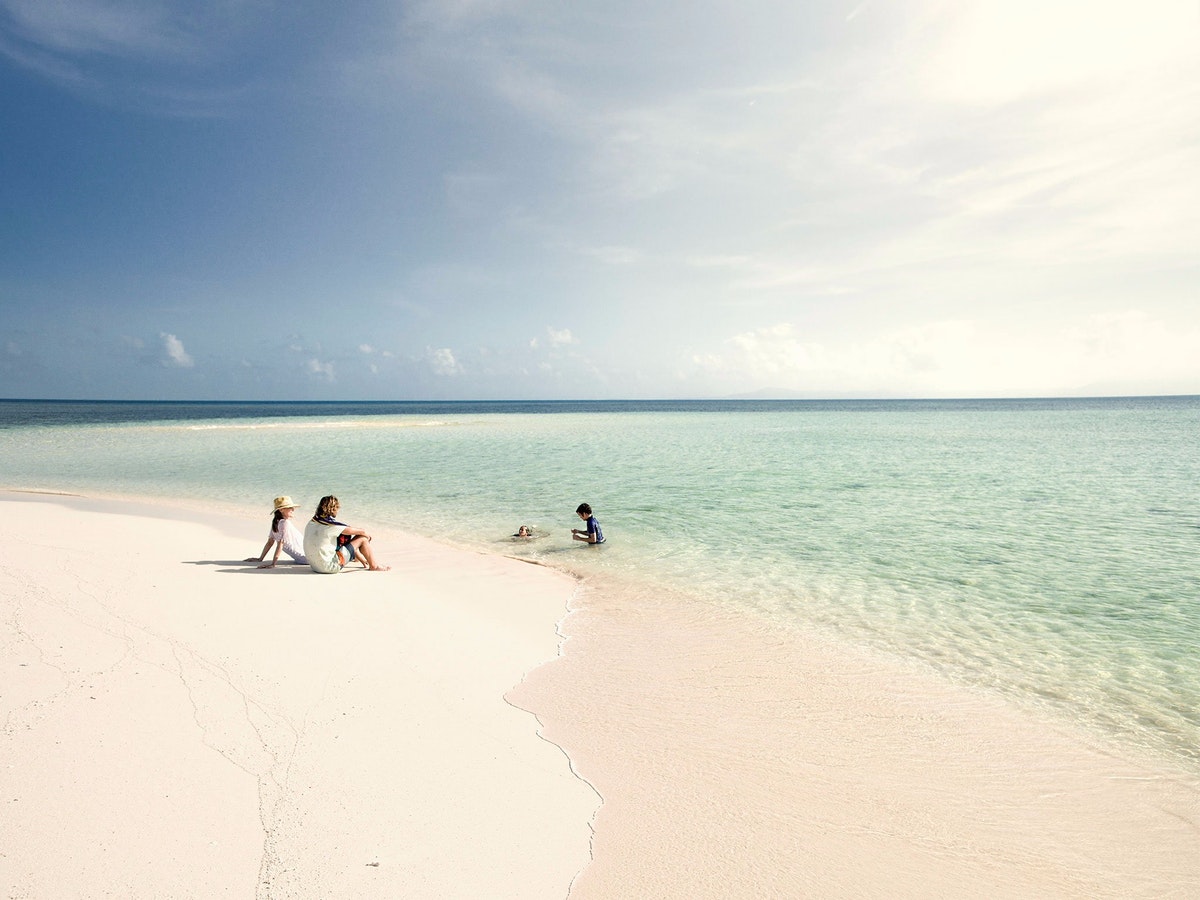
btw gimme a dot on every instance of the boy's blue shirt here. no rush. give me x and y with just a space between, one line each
593 527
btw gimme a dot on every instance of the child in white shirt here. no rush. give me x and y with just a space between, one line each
284 535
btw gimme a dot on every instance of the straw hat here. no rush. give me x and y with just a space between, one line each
284 502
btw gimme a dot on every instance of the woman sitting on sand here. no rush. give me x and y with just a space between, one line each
331 545
284 536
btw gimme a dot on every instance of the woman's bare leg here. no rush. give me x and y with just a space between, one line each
362 549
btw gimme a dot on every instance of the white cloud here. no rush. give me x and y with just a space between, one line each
728 261
366 348
157 55
560 337
994 51
555 337
442 361
1116 346
90 27
614 255
322 370
781 356
1059 132
176 355
1123 352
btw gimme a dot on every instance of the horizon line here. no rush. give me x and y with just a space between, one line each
729 398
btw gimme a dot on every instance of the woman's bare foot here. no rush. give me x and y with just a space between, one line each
362 547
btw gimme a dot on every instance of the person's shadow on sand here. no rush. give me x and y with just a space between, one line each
240 567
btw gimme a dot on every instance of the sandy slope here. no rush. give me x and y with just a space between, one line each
177 723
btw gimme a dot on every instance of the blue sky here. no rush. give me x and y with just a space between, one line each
450 199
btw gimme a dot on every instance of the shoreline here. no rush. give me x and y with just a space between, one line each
664 748
737 758
174 730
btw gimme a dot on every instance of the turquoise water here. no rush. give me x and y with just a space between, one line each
1046 549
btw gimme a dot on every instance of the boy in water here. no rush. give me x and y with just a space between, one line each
592 534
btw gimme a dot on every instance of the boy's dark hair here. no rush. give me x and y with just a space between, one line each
585 509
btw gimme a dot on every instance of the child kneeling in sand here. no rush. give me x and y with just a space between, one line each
592 534
331 545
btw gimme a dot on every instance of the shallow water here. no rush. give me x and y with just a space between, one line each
1047 549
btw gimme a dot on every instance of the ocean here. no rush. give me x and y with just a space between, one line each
1048 550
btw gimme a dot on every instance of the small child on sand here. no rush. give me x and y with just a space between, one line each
284 535
592 534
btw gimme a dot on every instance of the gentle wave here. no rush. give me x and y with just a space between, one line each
297 426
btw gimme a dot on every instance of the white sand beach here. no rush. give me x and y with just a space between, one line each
739 759
179 723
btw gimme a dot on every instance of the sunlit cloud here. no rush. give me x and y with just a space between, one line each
856 12
783 357
614 256
995 51
961 358
442 362
1133 344
555 337
320 370
175 354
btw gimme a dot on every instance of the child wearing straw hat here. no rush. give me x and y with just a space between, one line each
285 536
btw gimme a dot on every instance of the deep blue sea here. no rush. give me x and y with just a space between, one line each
1046 549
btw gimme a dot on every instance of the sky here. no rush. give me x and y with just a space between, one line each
520 199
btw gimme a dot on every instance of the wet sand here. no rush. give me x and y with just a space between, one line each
740 759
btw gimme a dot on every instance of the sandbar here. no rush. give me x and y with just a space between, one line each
178 723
